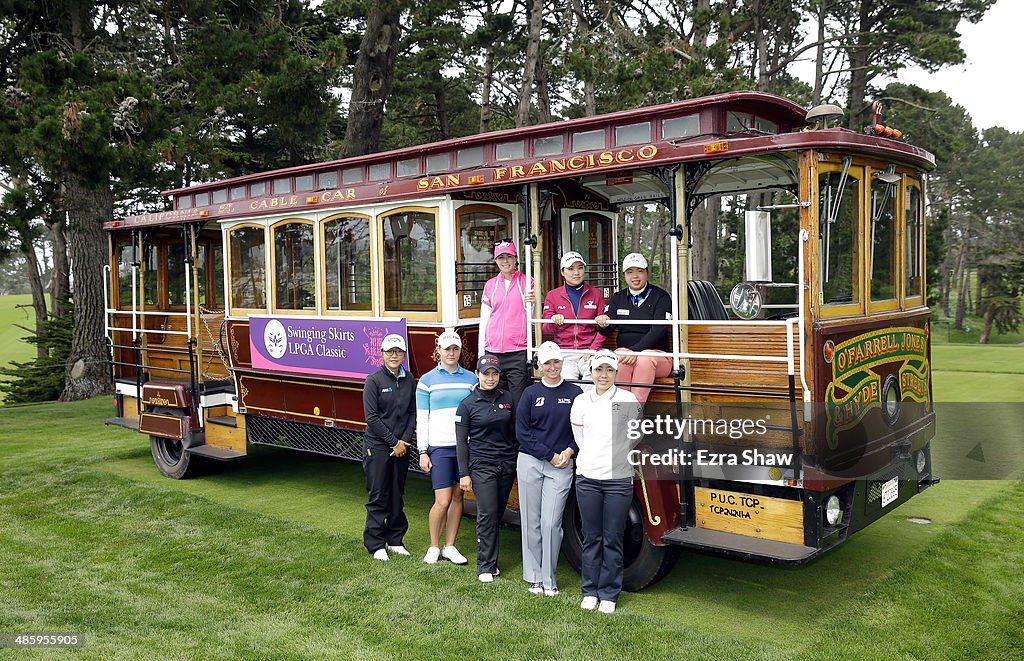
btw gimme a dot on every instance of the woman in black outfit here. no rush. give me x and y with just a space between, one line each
486 448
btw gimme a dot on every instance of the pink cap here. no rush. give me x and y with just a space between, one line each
505 248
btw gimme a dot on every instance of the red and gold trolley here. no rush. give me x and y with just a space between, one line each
248 314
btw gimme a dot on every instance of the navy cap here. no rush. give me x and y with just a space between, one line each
487 362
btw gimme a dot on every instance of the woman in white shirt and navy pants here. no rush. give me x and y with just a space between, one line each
604 479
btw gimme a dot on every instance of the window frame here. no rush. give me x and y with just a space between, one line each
411 315
884 304
229 304
918 300
271 257
119 241
858 307
375 301
473 312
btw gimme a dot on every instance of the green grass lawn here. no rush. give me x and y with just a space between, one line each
264 560
12 347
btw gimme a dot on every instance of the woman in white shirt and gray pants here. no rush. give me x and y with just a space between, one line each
604 479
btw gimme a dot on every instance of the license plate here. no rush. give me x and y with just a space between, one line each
890 491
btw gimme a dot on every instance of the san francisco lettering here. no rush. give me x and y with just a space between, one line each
575 163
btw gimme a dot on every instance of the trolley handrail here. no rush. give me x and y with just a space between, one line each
789 324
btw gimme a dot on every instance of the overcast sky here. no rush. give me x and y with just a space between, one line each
988 85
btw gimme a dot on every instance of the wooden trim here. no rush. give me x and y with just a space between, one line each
167 426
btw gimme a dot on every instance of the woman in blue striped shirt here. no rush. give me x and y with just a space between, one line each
438 395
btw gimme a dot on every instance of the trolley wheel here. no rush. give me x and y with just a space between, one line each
645 563
171 459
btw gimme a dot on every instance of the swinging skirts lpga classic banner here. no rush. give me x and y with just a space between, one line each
332 347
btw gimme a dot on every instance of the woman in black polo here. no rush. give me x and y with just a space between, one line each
486 448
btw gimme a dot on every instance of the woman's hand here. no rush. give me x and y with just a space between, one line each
425 464
466 483
558 319
602 320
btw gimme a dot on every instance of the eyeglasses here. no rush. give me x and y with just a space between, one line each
395 352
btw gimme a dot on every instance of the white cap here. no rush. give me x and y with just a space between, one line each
449 338
548 351
604 357
393 341
570 258
634 259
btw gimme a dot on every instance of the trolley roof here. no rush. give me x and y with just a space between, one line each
709 128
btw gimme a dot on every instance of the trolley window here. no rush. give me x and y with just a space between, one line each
151 275
479 228
294 268
839 238
176 274
409 239
882 237
210 262
248 268
347 263
914 237
591 236
125 256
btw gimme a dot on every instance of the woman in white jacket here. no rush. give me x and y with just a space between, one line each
604 479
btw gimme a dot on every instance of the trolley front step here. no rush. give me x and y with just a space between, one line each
127 423
220 454
741 545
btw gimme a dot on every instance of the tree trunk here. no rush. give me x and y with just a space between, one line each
634 233
959 275
986 330
543 97
704 233
60 278
371 78
945 283
819 56
35 281
485 90
442 105
968 291
583 36
88 205
961 301
760 46
858 63
657 250
703 31
530 65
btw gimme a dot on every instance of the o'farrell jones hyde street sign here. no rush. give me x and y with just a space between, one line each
348 347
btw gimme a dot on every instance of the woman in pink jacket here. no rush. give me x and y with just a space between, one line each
575 300
503 315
